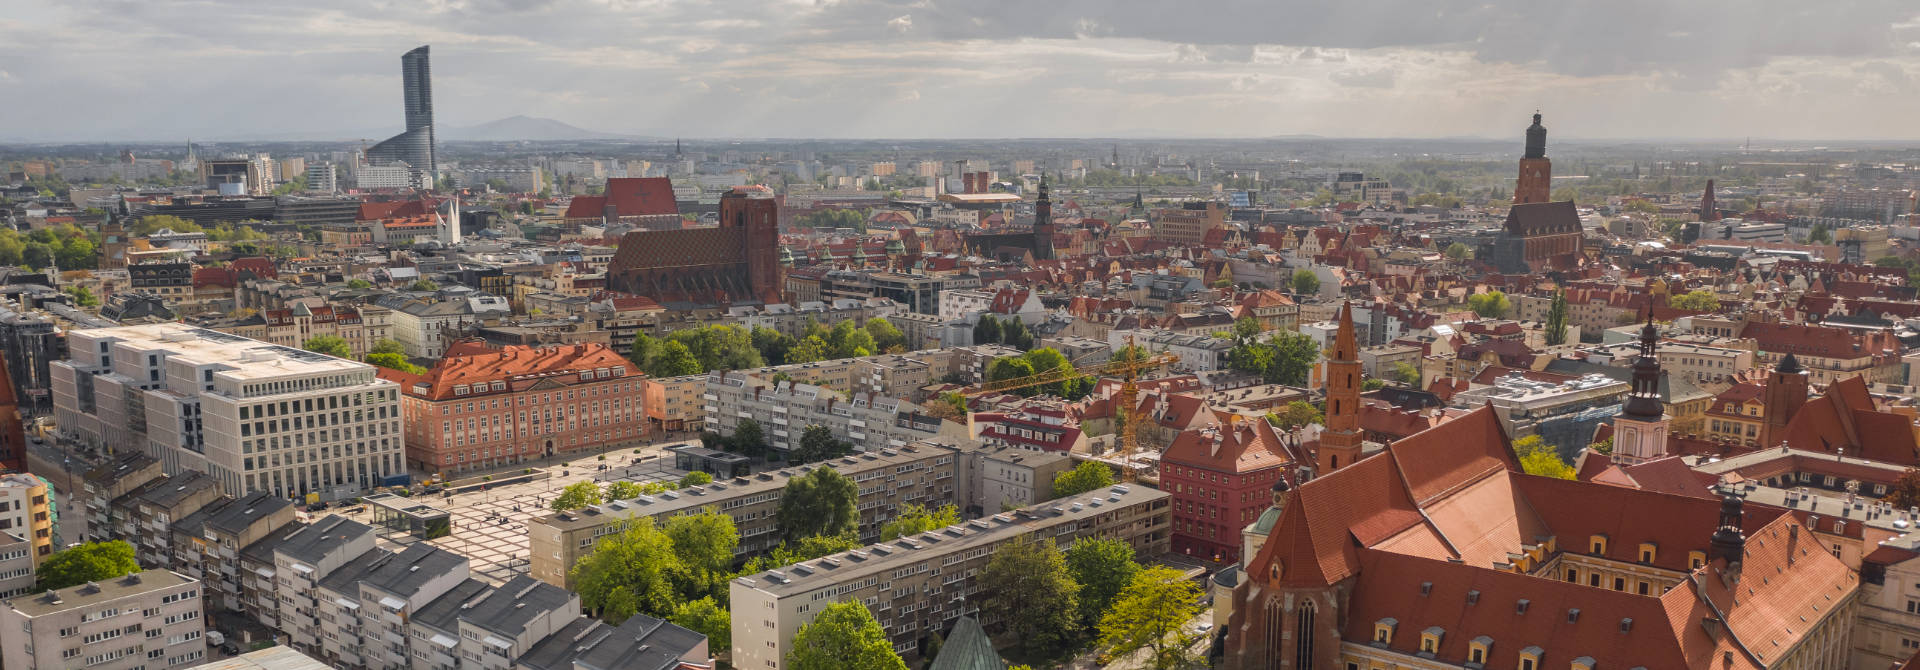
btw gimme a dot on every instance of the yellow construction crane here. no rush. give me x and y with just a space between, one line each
1126 406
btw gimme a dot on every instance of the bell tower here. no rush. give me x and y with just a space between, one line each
1340 442
1536 170
1640 431
1043 224
1786 391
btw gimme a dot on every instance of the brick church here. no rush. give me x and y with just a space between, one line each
737 262
1539 235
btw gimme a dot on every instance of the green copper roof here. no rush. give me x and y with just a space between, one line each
967 648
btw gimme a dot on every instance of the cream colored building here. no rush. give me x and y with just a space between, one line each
144 621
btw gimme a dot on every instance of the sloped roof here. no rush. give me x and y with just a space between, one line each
630 196
968 648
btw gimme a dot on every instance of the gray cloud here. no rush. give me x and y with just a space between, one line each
952 67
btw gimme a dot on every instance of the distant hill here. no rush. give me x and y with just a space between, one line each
519 127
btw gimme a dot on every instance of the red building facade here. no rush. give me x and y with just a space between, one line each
1221 479
482 408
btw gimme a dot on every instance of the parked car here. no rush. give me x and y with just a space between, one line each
231 649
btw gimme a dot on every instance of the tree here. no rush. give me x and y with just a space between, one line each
1246 330
645 349
1010 367
576 496
720 347
851 342
789 553
1405 373
1293 357
1604 446
704 543
387 347
915 518
1087 476
395 362
331 345
1695 301
1014 333
78 254
1305 283
1296 414
423 285
82 296
1489 305
821 502
1026 587
675 360
90 562
622 490
706 617
359 284
632 570
886 337
37 255
1905 493
1458 252
1557 319
695 478
772 344
1819 235
1371 384
748 438
1539 458
810 350
817 443
1103 567
844 636
1152 613
987 330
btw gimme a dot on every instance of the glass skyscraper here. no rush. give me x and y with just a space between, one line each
415 146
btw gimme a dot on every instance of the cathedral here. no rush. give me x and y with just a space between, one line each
1539 235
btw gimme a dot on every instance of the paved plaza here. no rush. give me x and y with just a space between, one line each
490 527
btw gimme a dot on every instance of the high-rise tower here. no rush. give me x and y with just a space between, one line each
1709 209
415 145
1340 442
1536 171
1043 224
1640 431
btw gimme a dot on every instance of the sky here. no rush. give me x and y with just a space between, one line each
1598 69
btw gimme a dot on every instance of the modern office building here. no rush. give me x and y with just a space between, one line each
322 178
144 621
923 473
414 147
254 416
784 410
918 586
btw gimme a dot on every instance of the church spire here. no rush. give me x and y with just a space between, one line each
1340 442
1536 138
1643 400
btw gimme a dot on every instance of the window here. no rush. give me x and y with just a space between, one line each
1646 552
1597 545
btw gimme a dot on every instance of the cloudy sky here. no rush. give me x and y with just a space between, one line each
1599 69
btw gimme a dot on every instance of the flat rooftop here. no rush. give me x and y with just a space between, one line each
808 576
95 593
244 358
272 658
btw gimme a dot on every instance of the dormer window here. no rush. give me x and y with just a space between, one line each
1646 552
1383 630
1597 545
1430 640
1478 649
1583 663
1530 658
1696 559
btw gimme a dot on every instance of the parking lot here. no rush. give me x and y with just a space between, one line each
490 527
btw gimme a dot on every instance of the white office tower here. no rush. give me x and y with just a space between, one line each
255 416
321 178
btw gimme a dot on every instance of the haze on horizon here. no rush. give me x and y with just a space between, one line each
224 69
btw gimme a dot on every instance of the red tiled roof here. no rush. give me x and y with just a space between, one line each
1838 420
630 196
1233 446
472 362
370 211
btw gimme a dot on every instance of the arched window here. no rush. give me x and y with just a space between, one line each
1303 635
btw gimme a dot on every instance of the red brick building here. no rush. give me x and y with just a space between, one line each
736 262
482 408
13 439
1221 479
646 202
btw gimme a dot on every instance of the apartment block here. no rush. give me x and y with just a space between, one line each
207 543
639 643
16 566
364 605
144 517
918 585
476 626
144 621
784 410
1007 477
923 473
673 404
303 558
26 510
252 415
102 485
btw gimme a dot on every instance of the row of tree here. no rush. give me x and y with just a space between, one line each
1045 359
1011 332
722 347
66 245
1279 357
385 353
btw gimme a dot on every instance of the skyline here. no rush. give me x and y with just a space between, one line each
945 70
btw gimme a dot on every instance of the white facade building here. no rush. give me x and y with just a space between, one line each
255 416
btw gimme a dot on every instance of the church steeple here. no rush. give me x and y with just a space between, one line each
1640 431
1340 442
1536 171
1043 223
